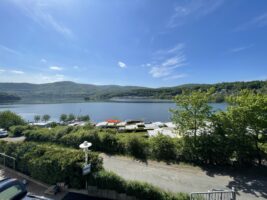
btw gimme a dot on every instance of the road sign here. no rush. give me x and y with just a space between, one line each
86 169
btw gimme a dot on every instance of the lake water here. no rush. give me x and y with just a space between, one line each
100 111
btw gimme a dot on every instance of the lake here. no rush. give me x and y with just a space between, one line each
100 111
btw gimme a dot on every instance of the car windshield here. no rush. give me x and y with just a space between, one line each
11 192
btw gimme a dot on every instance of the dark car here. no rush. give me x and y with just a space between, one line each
13 189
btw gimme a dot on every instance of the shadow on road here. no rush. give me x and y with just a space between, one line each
252 180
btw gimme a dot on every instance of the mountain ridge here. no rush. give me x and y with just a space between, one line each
72 90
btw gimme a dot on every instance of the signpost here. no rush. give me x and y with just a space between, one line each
87 167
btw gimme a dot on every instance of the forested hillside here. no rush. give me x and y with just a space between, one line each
221 90
5 97
69 90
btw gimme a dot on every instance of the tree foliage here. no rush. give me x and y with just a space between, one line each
8 119
37 118
192 111
45 117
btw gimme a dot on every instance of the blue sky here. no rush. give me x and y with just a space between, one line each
133 42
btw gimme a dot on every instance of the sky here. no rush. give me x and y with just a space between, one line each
153 43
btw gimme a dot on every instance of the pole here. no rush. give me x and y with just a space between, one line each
86 163
86 156
233 193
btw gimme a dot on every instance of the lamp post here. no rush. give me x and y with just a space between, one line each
87 167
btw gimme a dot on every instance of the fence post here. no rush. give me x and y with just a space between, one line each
233 193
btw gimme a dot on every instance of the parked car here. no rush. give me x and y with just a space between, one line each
3 133
13 189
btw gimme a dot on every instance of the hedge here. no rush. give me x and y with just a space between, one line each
50 163
108 141
109 180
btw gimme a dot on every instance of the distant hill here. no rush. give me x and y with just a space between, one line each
67 90
61 90
5 97
221 90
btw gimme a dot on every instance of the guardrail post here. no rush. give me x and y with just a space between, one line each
233 193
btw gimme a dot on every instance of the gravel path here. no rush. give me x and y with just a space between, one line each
182 178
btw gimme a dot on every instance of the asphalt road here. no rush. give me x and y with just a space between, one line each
182 178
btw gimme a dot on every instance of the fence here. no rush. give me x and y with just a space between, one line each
7 161
214 195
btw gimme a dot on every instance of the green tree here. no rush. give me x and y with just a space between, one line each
63 117
84 118
247 115
71 117
8 119
46 117
192 111
37 118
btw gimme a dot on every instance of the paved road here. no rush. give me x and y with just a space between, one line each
181 178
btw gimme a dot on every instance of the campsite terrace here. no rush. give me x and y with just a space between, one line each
152 128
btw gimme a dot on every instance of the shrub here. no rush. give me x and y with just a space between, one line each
74 139
8 119
137 147
17 131
108 180
49 163
163 148
110 143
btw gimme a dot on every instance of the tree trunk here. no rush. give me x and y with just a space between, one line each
258 150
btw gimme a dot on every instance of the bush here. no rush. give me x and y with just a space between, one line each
137 147
163 148
108 180
17 131
8 119
110 143
49 163
47 135
79 136
111 181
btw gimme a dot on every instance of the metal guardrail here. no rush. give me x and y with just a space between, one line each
5 160
214 195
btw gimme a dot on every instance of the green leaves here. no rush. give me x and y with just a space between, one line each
192 111
8 119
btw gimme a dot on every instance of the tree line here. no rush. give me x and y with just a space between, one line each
221 92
